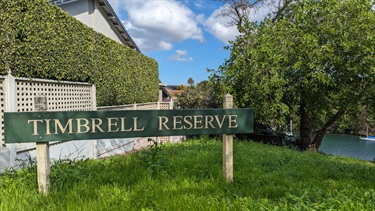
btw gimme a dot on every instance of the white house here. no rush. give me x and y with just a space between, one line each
99 15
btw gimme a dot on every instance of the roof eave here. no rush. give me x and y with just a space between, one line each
117 24
112 18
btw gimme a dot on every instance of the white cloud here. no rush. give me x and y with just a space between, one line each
181 56
200 4
200 18
156 25
115 4
258 14
146 40
218 26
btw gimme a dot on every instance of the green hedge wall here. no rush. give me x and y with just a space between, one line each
39 40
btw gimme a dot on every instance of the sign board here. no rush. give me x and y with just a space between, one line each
84 125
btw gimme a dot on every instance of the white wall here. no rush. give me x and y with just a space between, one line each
81 10
102 25
91 14
72 150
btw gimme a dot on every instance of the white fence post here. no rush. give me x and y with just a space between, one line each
10 106
43 166
94 147
42 151
93 97
228 145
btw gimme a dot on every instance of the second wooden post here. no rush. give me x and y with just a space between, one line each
42 151
228 145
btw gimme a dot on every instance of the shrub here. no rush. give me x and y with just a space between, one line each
39 40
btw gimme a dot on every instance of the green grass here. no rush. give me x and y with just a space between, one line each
188 176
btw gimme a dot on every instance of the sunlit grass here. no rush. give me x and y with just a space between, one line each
188 176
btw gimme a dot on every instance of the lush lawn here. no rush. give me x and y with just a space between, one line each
188 176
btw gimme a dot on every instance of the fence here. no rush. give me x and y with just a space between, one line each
142 106
18 95
111 147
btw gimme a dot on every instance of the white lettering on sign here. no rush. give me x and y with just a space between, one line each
84 125
130 124
197 122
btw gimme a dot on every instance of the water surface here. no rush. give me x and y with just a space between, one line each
348 146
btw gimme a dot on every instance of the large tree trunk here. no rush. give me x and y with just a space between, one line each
317 141
304 127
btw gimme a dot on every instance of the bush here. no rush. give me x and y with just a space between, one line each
39 40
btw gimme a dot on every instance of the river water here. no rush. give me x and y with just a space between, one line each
348 146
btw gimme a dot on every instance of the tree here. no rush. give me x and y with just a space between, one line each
240 10
198 97
357 122
317 60
190 81
9 34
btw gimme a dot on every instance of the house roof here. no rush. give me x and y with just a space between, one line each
112 18
173 89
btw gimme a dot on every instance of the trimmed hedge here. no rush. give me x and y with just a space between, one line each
39 40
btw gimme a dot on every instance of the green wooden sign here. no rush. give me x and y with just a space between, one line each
84 125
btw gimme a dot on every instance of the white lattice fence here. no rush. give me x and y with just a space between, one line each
61 96
2 109
143 106
17 95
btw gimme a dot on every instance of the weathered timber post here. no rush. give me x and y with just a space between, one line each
42 152
228 145
10 106
43 166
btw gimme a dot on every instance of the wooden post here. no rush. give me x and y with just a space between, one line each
43 166
228 145
10 106
42 152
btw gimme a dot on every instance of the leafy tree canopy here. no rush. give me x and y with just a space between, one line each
316 60
197 97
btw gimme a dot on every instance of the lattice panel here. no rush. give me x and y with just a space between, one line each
164 139
2 110
60 96
165 106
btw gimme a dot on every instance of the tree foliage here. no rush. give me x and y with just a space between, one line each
359 122
240 10
198 97
317 60
39 40
191 81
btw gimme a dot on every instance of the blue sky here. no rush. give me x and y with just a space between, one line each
185 37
